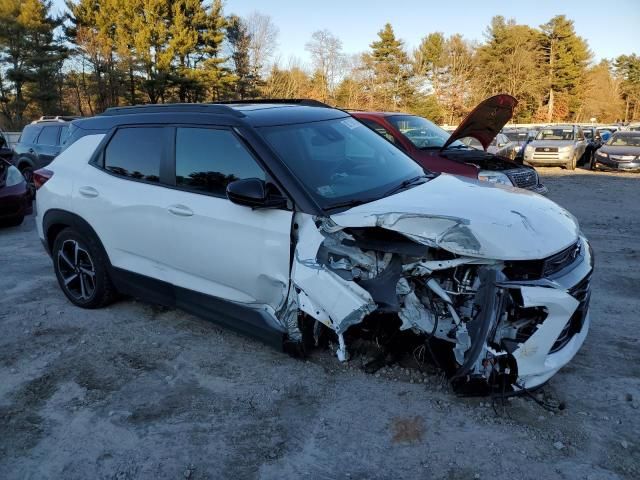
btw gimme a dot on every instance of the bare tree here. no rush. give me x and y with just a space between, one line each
327 59
263 34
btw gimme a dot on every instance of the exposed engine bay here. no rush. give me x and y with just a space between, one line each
499 325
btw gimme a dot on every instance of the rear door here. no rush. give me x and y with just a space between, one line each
122 197
222 249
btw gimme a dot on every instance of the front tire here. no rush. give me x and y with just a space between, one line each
82 270
571 165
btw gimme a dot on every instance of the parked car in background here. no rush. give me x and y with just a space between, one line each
500 145
621 152
40 142
6 152
15 195
438 151
294 222
557 145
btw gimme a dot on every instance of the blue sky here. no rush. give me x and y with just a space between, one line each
612 27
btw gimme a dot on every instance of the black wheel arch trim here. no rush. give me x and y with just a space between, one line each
59 219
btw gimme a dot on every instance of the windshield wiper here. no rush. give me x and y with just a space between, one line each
347 204
406 183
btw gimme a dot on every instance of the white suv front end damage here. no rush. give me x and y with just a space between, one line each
508 293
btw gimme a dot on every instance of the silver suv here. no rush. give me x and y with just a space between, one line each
557 145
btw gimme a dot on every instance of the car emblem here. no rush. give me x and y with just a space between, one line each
546 149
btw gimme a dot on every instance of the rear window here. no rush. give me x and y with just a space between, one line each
135 153
30 133
49 136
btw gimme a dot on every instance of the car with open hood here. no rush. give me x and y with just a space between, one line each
15 195
557 145
293 222
439 151
620 152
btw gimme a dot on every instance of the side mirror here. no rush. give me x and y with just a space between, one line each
252 192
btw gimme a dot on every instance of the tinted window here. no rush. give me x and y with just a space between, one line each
49 136
135 153
30 133
208 160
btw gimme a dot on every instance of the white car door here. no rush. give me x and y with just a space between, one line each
125 203
220 248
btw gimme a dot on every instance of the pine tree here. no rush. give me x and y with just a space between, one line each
240 41
511 61
390 70
28 45
566 59
628 70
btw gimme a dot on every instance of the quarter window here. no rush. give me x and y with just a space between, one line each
49 136
135 153
207 160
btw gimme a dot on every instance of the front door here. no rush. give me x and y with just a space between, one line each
219 248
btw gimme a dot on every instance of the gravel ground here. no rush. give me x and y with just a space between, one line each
135 391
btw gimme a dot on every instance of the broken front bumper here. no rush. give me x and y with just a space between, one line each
565 296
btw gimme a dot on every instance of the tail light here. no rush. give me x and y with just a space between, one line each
40 177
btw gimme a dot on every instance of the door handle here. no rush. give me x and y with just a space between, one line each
88 192
180 210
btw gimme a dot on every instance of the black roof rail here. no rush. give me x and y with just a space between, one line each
305 102
213 108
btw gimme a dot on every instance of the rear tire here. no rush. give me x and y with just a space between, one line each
82 270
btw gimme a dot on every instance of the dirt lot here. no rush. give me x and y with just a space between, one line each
134 391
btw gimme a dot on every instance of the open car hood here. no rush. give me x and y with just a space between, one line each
485 121
471 218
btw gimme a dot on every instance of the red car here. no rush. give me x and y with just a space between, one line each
15 195
438 151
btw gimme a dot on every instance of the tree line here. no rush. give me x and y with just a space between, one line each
104 53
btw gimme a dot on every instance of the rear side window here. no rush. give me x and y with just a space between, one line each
49 136
207 160
30 133
135 153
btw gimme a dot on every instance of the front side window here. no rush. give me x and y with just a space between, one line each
49 136
135 153
340 160
207 160
379 129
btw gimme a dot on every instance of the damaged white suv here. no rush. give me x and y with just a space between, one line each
293 222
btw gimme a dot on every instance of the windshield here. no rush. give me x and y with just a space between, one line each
515 136
624 141
555 134
341 160
421 132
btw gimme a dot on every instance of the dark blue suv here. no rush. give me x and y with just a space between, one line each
40 142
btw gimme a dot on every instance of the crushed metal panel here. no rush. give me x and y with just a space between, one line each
344 302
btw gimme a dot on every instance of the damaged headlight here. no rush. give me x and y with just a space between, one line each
494 177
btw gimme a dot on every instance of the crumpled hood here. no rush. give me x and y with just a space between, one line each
473 218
